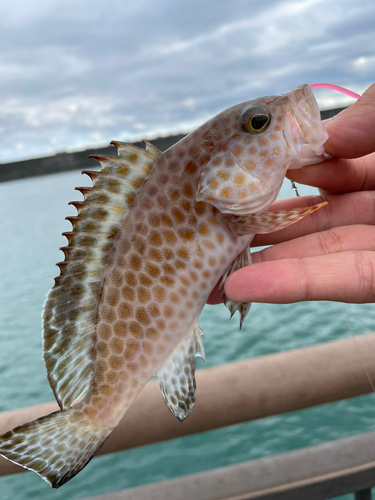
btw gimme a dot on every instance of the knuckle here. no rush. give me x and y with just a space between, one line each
305 282
363 207
362 175
329 241
365 267
323 217
371 194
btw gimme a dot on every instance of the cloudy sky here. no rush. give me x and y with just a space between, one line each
79 73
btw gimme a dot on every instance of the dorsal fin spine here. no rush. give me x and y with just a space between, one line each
94 176
77 218
100 158
151 148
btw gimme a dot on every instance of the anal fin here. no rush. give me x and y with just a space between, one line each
177 376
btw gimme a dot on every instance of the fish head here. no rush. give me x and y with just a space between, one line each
265 137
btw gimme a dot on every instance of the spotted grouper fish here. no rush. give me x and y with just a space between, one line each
152 237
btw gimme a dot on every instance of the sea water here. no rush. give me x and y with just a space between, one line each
32 213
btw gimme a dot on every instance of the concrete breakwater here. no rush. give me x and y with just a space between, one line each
63 162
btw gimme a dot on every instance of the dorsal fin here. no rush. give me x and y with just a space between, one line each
71 306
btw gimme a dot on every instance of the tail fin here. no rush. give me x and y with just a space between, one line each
56 446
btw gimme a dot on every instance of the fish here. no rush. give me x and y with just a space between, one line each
152 237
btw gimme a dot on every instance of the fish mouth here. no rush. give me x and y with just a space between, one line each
305 132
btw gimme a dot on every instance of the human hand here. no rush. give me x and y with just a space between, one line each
329 255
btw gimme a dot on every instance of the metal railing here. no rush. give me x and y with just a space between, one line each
314 473
249 390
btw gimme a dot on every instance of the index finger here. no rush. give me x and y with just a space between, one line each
338 175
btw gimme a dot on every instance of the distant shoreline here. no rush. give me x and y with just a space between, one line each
63 162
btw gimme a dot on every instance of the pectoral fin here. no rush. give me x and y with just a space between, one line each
177 376
267 222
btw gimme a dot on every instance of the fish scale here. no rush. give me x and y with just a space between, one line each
151 239
169 253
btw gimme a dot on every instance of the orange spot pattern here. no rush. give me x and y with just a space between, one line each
171 249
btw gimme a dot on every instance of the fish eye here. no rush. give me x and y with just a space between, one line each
255 119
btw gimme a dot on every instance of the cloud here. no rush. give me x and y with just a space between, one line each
77 72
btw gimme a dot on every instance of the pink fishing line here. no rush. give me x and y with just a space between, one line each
335 87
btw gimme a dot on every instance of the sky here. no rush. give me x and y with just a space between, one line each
79 73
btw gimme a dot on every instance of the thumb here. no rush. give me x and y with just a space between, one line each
352 132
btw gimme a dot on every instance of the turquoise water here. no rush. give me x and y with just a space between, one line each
32 215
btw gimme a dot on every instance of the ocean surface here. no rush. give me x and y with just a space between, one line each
32 215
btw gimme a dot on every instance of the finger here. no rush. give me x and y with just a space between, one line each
343 277
338 175
342 210
336 240
351 132
341 239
